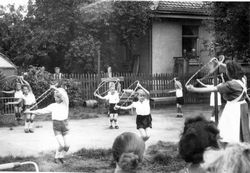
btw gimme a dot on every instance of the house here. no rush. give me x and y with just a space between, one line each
177 38
6 66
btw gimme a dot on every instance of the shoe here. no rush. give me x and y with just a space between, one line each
61 160
31 130
26 130
116 127
179 116
111 127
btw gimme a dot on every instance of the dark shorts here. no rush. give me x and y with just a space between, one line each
111 109
60 127
144 121
180 100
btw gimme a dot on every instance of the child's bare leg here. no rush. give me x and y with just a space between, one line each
111 119
148 133
32 116
27 123
142 133
179 111
116 121
60 141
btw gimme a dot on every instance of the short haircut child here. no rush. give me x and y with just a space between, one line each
128 149
198 134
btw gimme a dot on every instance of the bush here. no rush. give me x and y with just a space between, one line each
40 82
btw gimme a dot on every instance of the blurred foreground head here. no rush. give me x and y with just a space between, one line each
234 158
198 135
128 149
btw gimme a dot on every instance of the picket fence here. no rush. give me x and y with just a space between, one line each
87 83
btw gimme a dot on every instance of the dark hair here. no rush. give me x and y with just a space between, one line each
234 70
198 134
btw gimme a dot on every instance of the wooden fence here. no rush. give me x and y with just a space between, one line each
6 109
89 82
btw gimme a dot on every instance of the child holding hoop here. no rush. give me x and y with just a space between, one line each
143 118
18 103
59 111
179 97
113 98
233 123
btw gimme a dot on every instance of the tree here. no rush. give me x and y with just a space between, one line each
232 28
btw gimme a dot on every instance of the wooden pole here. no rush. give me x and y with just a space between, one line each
216 98
99 68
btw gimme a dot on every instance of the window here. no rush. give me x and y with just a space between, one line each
190 39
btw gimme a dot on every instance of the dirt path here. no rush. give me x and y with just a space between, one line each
93 133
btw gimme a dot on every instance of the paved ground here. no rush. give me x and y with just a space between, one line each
94 133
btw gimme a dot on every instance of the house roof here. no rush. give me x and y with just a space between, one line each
182 7
5 62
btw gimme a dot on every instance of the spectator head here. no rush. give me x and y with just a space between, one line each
57 69
234 158
26 89
198 134
234 70
128 149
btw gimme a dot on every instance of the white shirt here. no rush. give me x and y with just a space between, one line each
29 99
142 108
18 94
112 98
179 93
59 111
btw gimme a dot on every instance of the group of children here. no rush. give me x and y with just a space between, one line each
141 105
24 103
24 99
233 124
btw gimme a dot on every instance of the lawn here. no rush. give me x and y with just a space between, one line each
162 157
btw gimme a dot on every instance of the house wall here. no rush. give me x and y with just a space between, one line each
143 50
166 44
204 38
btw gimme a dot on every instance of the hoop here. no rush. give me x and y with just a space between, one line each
130 91
45 95
102 83
214 62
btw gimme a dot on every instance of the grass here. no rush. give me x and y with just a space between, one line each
162 157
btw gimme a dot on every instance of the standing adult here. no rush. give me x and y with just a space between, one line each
233 123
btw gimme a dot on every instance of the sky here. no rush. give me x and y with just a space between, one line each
16 2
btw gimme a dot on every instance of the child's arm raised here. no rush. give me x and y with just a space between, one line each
144 89
100 97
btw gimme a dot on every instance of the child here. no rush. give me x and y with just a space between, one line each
128 149
59 111
29 101
233 123
143 118
18 95
198 134
113 98
179 97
